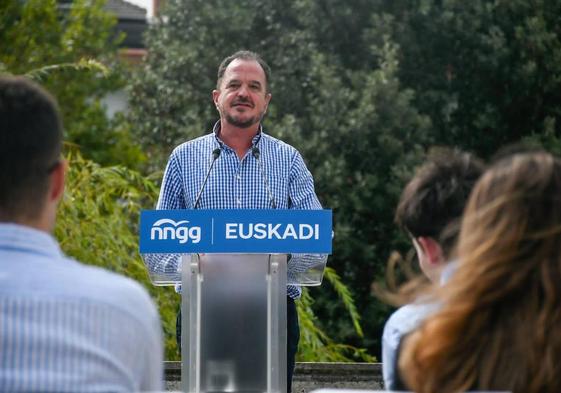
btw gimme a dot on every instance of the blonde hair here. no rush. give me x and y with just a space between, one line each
498 327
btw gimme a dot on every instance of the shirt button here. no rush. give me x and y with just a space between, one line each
239 177
239 201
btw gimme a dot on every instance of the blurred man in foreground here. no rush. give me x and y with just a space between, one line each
64 326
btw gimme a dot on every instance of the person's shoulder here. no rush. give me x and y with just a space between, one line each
279 144
394 322
195 144
407 318
99 285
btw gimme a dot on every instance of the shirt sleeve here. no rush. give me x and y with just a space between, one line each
166 267
303 268
172 195
301 191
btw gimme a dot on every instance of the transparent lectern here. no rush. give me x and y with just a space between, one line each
234 315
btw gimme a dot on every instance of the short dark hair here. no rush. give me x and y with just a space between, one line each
244 55
30 146
433 201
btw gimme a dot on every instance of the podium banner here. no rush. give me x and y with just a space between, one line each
235 231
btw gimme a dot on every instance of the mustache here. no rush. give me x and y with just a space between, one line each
242 100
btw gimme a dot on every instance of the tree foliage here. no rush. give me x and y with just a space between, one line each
56 46
98 224
486 71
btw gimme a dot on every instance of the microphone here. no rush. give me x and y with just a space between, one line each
215 154
256 153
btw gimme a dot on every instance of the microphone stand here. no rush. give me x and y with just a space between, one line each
215 154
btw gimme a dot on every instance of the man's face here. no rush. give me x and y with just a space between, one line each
242 99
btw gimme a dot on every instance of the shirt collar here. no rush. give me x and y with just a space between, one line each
221 144
24 238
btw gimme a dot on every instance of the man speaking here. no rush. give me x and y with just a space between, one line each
239 166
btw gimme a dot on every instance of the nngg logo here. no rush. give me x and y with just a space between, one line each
165 229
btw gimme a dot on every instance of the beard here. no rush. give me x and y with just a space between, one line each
246 123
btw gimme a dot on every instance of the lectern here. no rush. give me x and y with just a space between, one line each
233 292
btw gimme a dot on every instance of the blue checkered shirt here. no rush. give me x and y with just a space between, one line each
237 184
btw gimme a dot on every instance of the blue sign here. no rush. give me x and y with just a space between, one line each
235 231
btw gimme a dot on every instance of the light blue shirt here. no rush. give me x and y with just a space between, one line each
402 322
67 327
236 183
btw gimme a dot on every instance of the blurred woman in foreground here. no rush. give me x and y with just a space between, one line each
499 327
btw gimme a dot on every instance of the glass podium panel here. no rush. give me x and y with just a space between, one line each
234 323
303 269
306 269
163 269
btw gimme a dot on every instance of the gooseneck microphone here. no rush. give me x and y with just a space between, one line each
215 154
256 153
